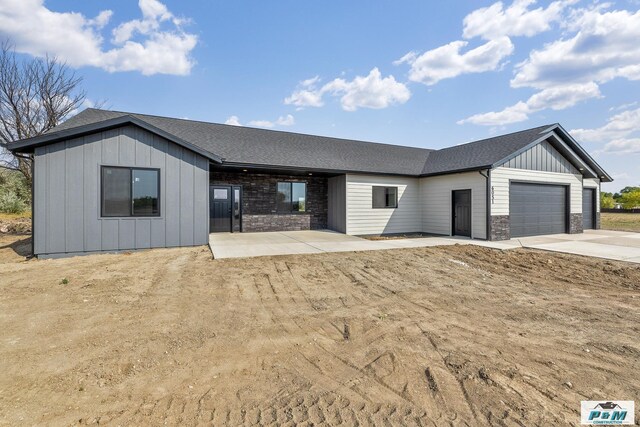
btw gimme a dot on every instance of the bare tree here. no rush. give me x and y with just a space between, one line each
35 95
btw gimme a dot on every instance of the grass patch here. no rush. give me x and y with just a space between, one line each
9 216
620 221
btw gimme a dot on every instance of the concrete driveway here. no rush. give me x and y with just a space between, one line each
599 243
616 245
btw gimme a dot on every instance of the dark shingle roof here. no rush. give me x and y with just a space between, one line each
480 154
261 147
238 144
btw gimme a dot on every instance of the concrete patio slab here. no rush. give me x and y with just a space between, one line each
620 246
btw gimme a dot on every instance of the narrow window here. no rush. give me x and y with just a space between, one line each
145 192
384 197
130 192
291 197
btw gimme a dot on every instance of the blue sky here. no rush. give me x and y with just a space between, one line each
421 73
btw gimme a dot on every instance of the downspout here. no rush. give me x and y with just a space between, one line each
488 201
33 201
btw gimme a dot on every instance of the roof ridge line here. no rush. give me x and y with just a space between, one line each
498 136
262 129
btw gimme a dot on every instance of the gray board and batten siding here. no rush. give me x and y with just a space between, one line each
67 211
542 157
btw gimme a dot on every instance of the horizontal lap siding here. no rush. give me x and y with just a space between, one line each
67 194
501 176
363 219
593 183
436 192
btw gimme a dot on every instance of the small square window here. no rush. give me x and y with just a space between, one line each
384 197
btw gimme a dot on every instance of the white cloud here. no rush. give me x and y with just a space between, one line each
605 46
153 14
495 24
77 40
624 106
447 61
518 19
513 114
621 133
233 121
623 146
287 120
262 123
371 91
101 20
618 127
408 58
555 98
306 95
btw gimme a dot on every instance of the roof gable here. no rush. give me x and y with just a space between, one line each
542 157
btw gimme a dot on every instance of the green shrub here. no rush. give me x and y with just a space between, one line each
15 193
11 203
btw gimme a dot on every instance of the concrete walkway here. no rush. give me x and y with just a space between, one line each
614 245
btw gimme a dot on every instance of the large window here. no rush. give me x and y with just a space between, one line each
385 197
130 191
292 197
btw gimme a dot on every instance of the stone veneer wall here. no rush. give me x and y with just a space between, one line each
259 192
575 223
500 227
597 220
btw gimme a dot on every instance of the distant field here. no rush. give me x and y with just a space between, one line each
620 221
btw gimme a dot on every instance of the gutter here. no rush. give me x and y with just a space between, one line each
488 201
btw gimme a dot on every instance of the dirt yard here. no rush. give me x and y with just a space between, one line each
458 335
620 221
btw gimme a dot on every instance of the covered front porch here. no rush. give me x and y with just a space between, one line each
249 199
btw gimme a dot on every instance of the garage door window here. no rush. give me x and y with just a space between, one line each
130 192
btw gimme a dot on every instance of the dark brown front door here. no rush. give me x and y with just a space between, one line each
462 213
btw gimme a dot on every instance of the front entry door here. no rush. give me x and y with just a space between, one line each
462 213
220 208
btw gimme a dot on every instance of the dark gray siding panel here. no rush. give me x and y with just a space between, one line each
55 198
40 200
172 198
337 203
74 195
536 209
201 216
588 208
127 234
186 197
542 157
143 233
91 203
109 234
67 194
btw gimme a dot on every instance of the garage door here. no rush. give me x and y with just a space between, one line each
536 209
587 208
